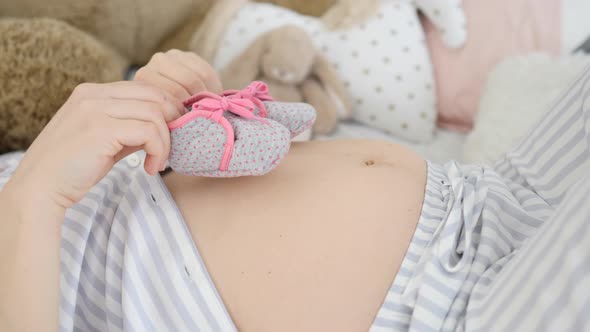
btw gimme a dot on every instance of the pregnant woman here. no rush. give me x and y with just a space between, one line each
342 236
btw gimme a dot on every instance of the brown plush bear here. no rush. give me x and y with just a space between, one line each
50 46
42 60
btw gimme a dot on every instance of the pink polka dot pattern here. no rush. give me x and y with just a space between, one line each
198 146
297 117
258 147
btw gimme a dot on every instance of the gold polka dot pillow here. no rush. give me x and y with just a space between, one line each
384 61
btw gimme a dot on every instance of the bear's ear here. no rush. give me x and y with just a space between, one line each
246 67
449 19
346 13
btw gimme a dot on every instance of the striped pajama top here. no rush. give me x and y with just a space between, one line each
502 248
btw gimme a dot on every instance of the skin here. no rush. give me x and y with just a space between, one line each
343 229
313 246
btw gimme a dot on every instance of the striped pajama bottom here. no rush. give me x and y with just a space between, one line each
505 248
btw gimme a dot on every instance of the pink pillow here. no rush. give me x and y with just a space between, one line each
495 29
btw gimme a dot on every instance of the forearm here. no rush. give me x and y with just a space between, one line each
29 261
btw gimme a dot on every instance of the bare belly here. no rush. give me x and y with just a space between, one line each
314 245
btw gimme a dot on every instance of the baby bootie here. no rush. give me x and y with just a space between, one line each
297 117
231 135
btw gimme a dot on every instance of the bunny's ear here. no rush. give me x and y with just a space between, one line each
245 68
448 17
328 77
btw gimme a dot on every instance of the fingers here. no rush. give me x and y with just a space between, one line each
142 111
171 107
148 75
144 134
129 125
171 68
147 92
199 67
181 73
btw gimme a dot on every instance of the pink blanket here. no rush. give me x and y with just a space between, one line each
496 29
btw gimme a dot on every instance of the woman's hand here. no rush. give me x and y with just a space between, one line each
182 74
97 126
102 123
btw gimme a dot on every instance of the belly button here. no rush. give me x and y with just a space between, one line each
369 163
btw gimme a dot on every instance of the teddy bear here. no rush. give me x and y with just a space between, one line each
287 60
42 61
50 46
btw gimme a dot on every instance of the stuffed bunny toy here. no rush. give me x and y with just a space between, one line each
377 48
286 59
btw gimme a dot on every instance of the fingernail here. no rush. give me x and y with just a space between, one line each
163 165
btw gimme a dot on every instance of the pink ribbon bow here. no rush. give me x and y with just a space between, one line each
217 105
256 92
212 106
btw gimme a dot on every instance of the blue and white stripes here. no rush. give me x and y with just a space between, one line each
130 264
502 248
505 248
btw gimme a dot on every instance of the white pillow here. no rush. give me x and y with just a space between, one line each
384 62
516 96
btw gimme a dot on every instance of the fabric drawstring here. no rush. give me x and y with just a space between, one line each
256 92
455 232
217 105
453 237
